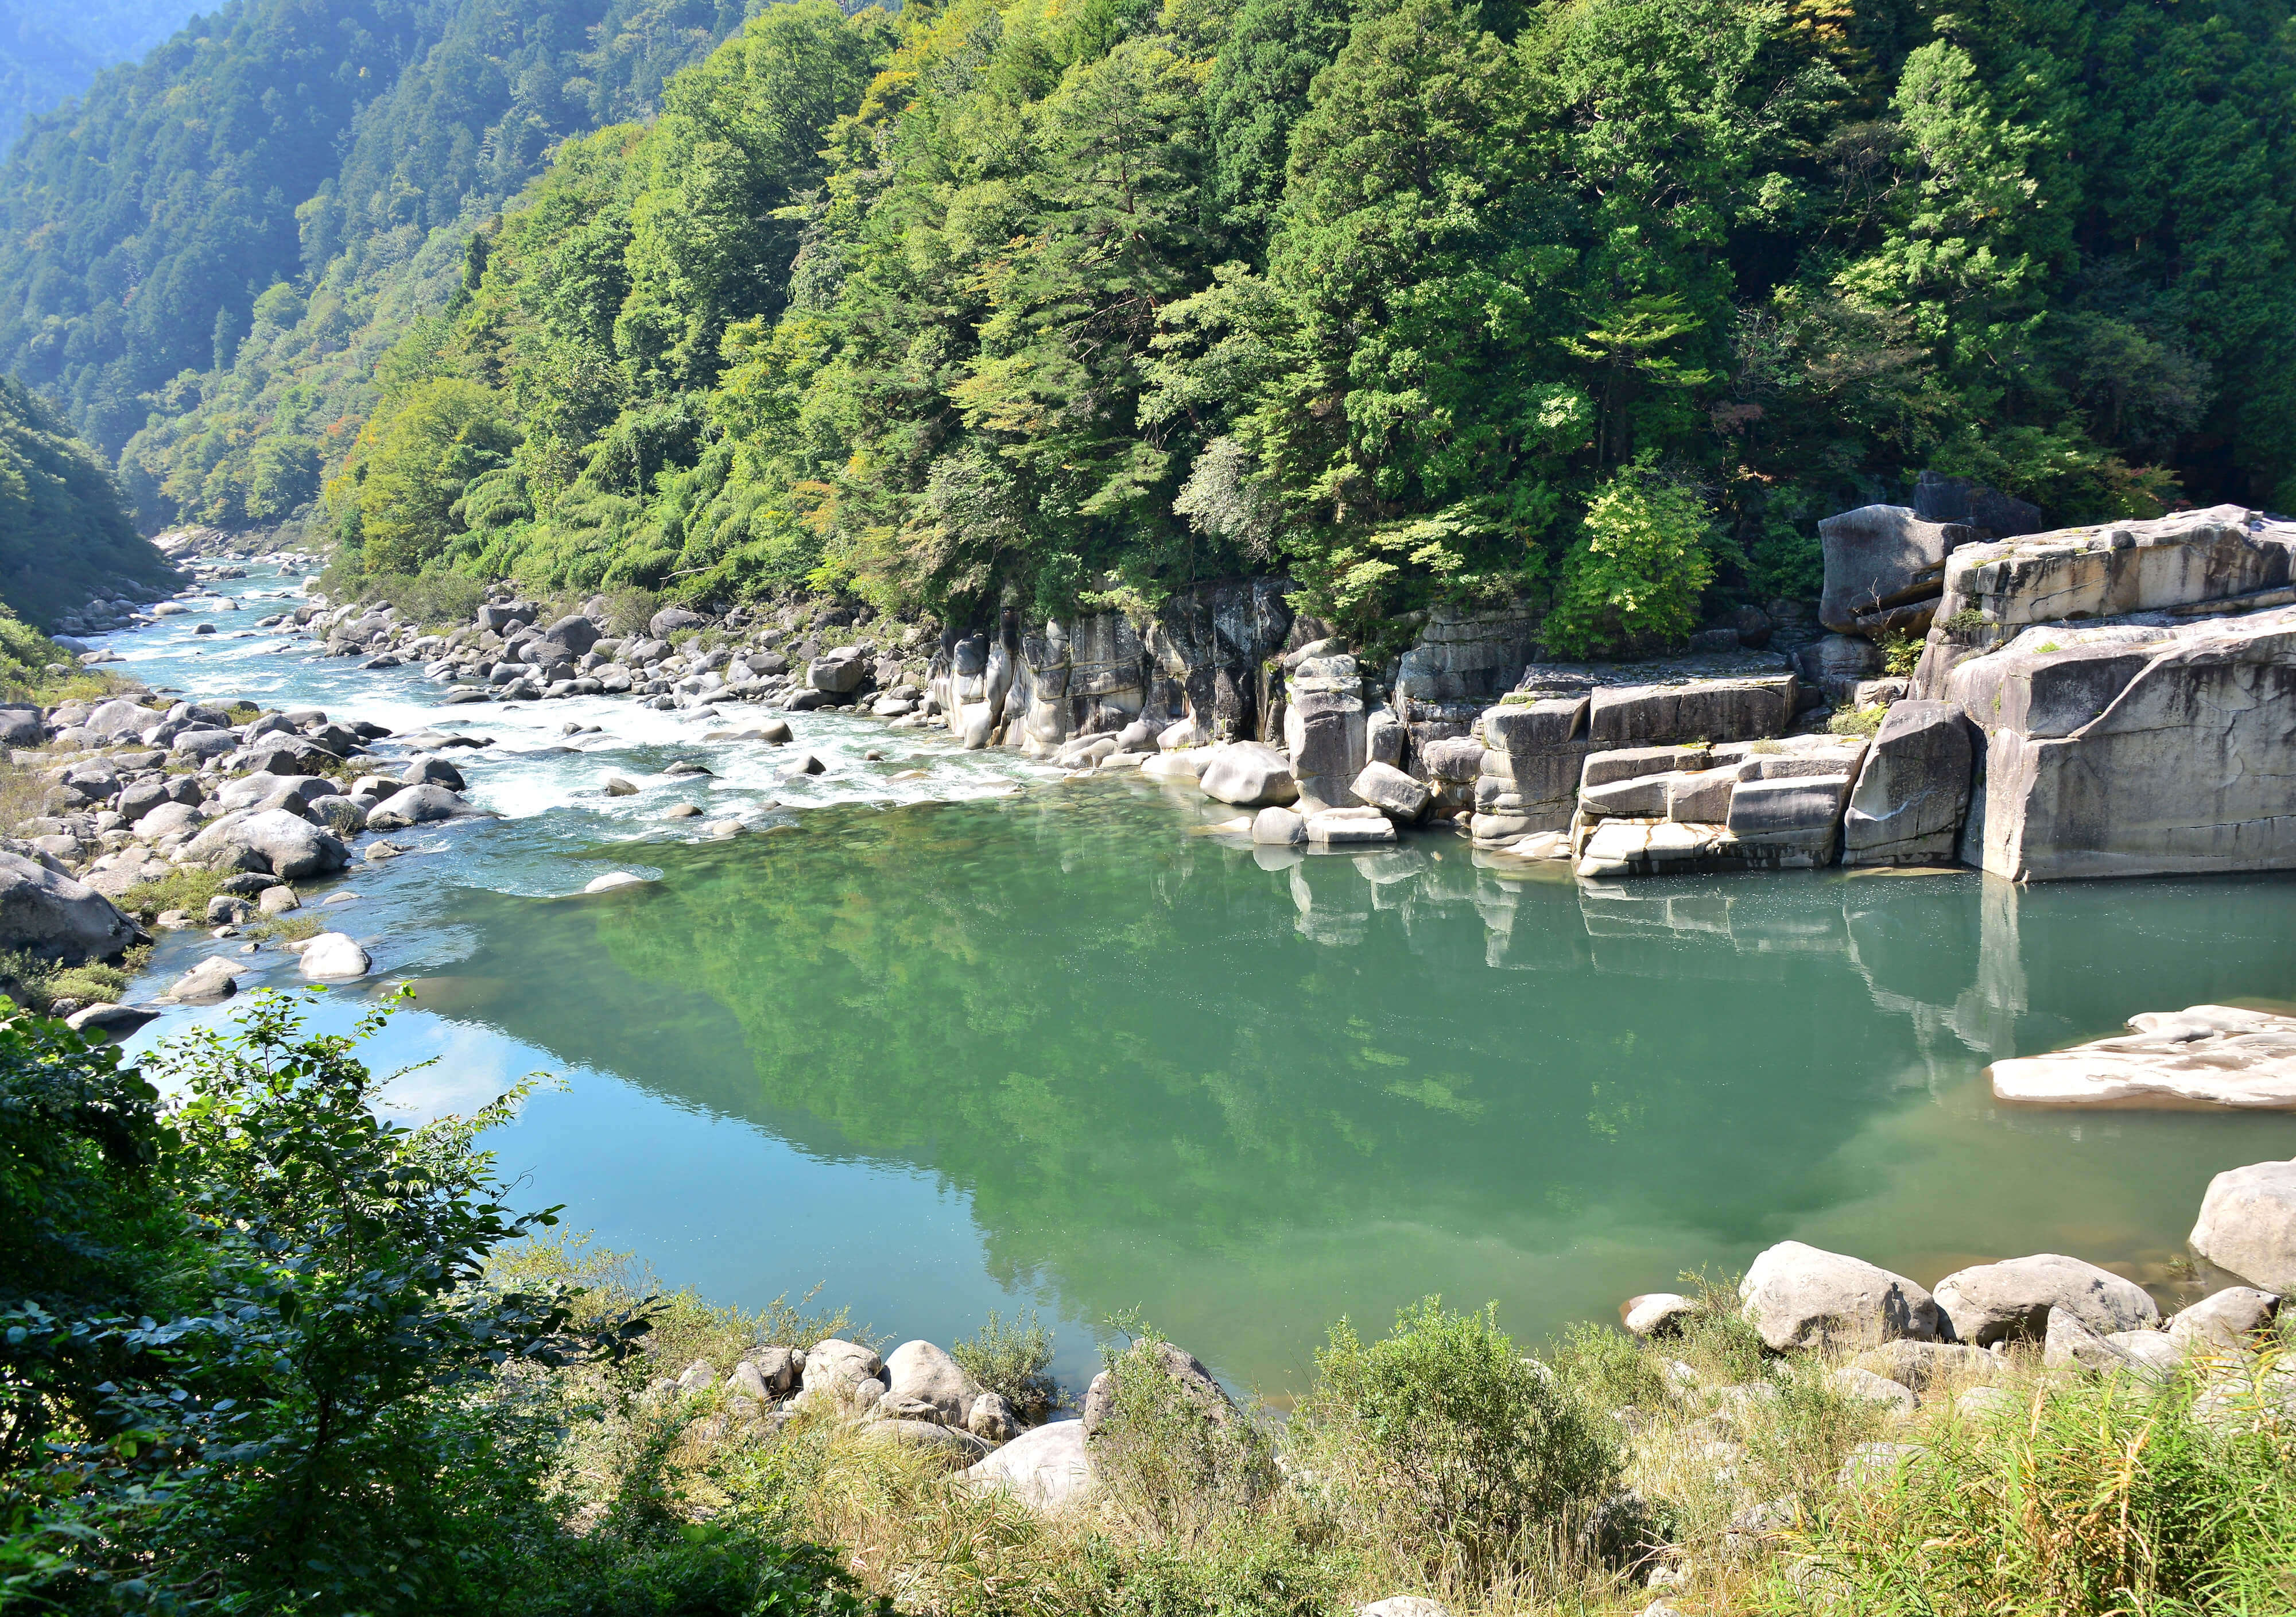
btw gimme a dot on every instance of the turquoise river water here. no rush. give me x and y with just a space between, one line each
948 1033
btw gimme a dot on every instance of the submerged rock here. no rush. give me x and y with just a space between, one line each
1248 773
335 958
212 979
614 880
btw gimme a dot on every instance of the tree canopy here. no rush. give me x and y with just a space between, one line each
1057 305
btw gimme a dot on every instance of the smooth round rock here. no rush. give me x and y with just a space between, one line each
614 879
335 958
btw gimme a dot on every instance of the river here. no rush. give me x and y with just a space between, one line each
947 1033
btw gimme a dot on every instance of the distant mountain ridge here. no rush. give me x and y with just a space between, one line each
51 52
311 144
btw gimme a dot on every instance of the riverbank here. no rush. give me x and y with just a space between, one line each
704 936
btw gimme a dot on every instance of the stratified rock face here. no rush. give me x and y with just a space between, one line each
1533 753
1913 792
53 917
2109 570
2206 1055
2176 755
1201 657
2011 1301
1702 710
1800 1296
2248 1225
1323 730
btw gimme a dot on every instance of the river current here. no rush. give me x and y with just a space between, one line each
945 1032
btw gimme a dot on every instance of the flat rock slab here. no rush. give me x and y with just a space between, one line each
2200 1058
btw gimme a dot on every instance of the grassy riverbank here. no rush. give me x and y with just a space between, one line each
266 1350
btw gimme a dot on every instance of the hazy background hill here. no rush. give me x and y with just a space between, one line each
51 50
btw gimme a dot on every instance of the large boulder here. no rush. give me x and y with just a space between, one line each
1044 1469
839 672
1801 1297
844 1375
273 839
1393 792
671 620
418 806
45 912
2226 1323
2010 1301
566 640
2247 1225
1879 557
1250 775
1913 792
119 720
2204 1055
924 1382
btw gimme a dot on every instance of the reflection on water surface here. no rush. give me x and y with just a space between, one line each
941 1057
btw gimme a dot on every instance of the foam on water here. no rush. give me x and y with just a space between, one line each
534 771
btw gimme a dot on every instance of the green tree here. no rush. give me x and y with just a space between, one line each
1638 569
412 466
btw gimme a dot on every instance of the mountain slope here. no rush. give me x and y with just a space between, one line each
258 148
63 532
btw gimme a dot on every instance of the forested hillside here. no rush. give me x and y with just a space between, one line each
63 532
1055 303
1598 299
277 172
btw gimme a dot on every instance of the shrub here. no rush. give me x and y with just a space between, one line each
1173 1457
187 887
39 983
1011 1359
1848 720
1638 569
1444 1442
1901 654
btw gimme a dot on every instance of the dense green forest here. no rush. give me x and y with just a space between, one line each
1600 299
213 239
1060 303
63 532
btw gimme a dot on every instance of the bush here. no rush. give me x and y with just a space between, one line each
1857 721
1175 1458
1638 571
1444 1443
1011 1359
37 983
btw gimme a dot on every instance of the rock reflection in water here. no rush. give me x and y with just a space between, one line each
1162 1072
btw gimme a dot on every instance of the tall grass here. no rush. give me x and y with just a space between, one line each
2089 1498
